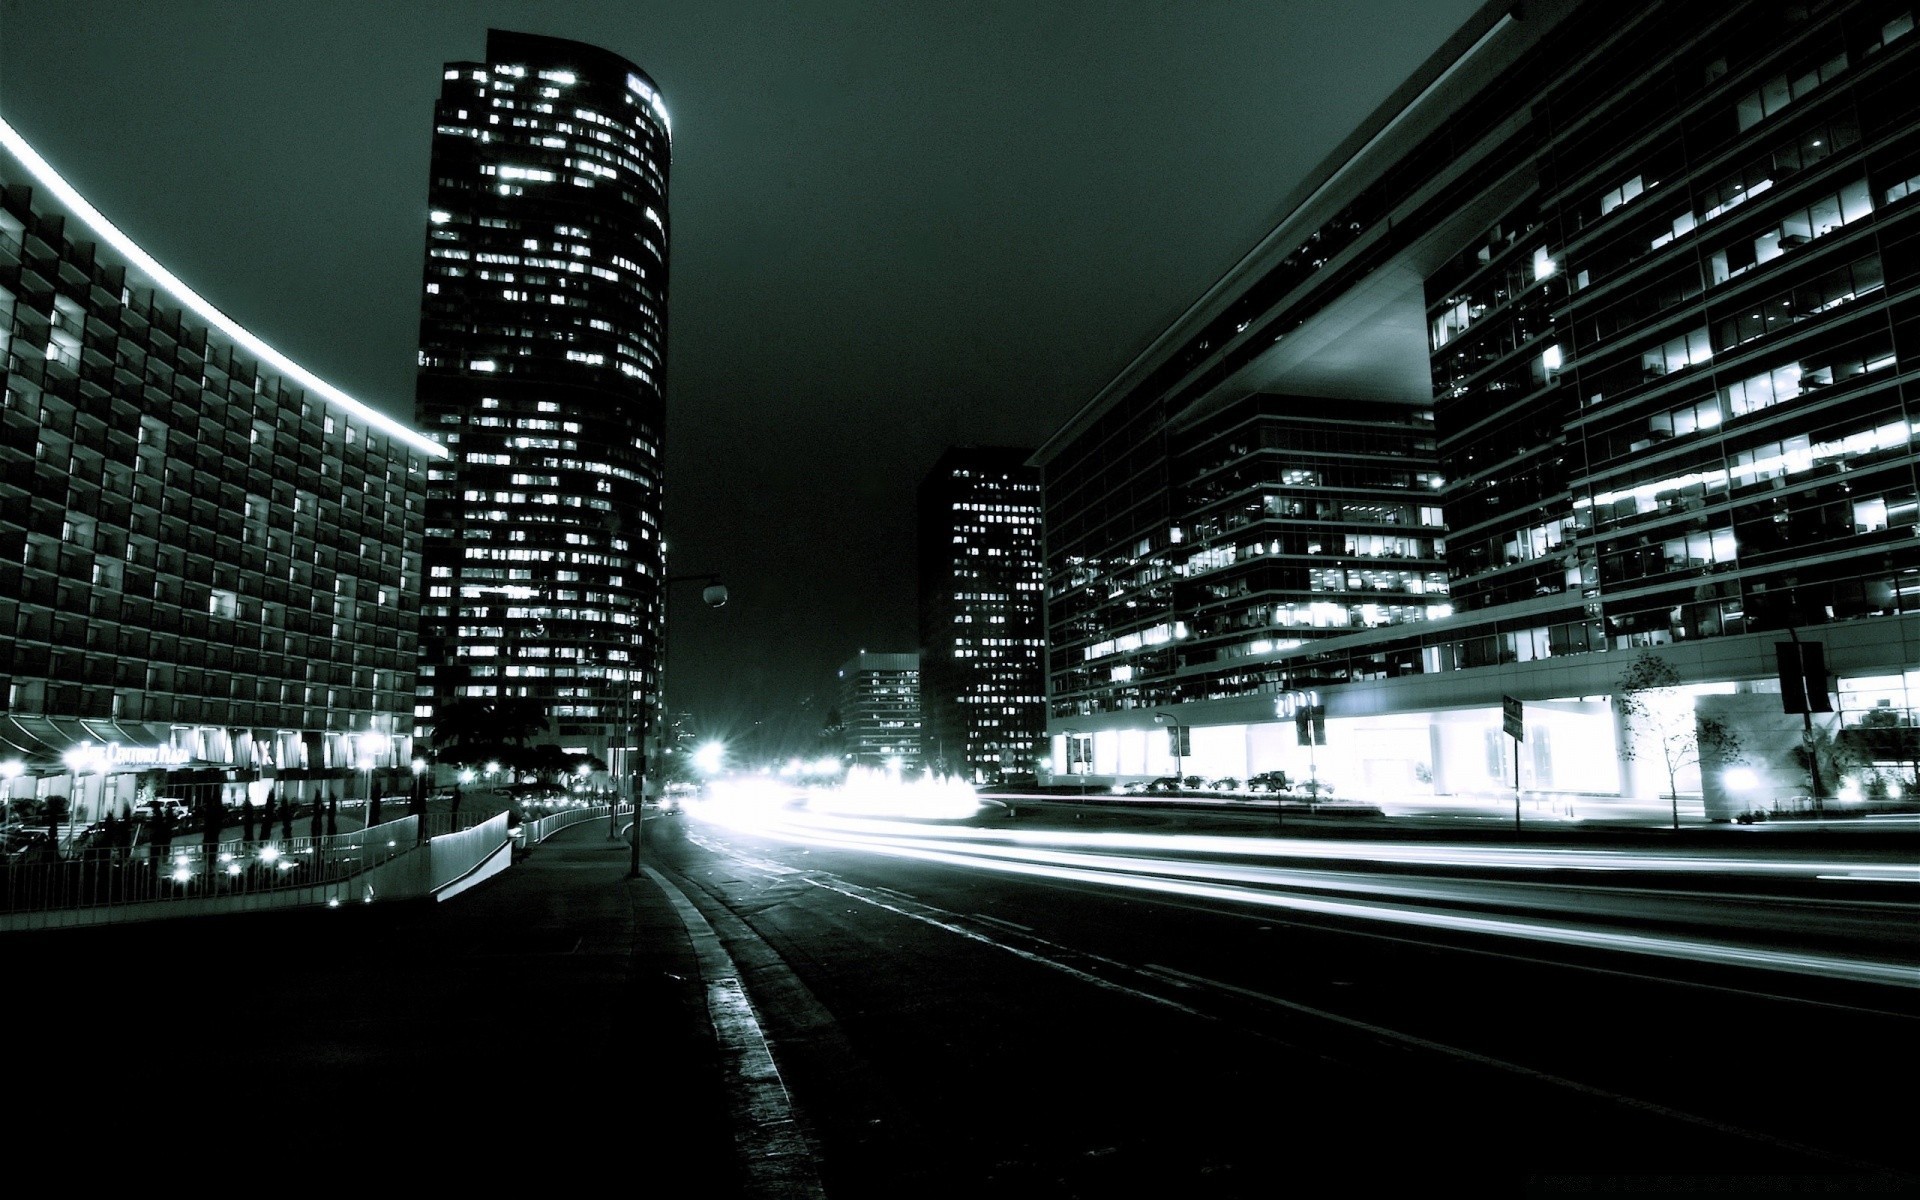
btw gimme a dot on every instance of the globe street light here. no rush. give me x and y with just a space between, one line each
714 595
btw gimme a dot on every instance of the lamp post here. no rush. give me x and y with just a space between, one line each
373 744
419 805
9 771
1173 736
714 595
453 811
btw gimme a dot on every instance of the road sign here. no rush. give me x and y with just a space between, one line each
1513 719
1803 676
1180 740
1310 724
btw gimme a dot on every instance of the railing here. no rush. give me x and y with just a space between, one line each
192 869
532 833
396 860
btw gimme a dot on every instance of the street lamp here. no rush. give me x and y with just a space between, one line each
9 771
419 800
1175 731
714 595
373 744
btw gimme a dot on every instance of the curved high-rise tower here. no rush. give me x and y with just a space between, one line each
543 338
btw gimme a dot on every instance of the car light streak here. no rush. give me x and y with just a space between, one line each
1242 884
780 821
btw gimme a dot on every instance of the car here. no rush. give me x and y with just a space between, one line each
1164 784
150 810
1269 781
22 845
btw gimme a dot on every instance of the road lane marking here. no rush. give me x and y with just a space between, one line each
1169 975
1441 1048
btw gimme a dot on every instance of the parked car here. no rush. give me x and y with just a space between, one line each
22 845
1268 781
149 810
1164 784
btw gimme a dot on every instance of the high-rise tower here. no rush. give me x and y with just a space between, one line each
982 678
542 355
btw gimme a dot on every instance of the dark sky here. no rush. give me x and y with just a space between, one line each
896 227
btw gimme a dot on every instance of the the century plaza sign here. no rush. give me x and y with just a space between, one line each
145 756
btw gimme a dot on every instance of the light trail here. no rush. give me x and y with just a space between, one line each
780 820
1087 858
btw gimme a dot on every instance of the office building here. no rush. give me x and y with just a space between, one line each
543 339
879 709
982 681
209 557
1651 269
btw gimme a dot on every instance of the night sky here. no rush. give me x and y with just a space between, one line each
894 228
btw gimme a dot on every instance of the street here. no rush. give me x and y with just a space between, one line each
1041 1005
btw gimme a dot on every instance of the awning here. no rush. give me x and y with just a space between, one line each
34 740
42 742
126 733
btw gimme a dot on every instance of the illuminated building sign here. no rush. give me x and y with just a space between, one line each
145 756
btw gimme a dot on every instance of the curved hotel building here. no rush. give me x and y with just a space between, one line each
542 357
1600 338
209 558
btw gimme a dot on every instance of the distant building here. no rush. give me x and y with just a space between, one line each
209 558
879 710
982 675
543 338
1649 266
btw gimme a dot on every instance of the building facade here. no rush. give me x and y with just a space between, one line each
982 679
210 559
542 370
1652 270
879 712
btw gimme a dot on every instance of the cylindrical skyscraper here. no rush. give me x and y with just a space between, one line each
543 339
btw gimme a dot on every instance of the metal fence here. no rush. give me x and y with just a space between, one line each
190 868
532 833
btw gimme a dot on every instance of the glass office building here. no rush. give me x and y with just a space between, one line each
879 696
542 370
982 682
210 559
1651 269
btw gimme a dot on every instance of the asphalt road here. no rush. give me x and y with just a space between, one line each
763 1016
949 1027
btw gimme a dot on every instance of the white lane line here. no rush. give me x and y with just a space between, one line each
996 921
773 1149
1500 1064
1183 979
942 921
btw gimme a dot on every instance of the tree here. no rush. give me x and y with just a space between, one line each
1829 758
479 730
1659 713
